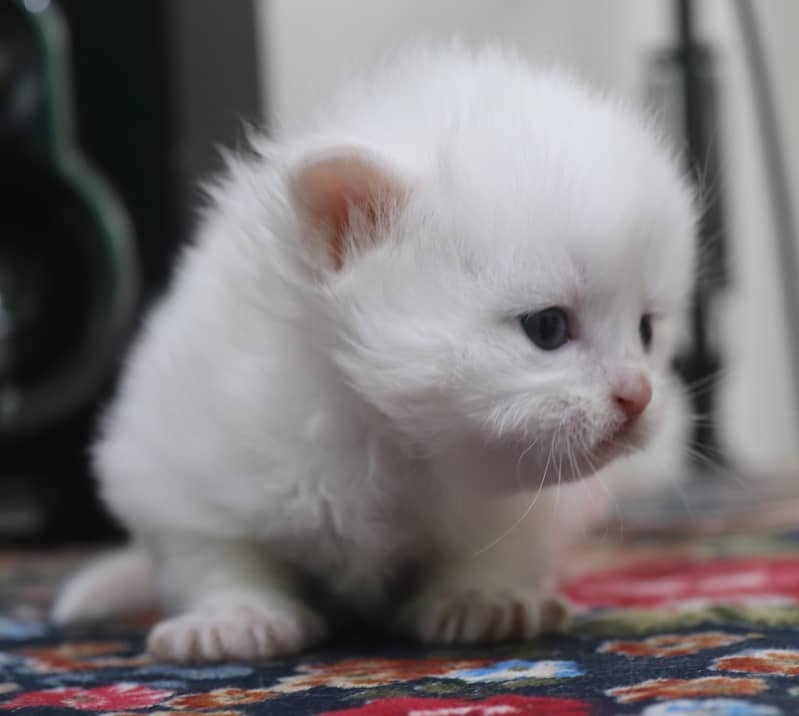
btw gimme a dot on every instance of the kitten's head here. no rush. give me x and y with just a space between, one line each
521 295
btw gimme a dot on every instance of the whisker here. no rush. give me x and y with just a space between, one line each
675 483
560 475
527 511
617 510
708 456
519 463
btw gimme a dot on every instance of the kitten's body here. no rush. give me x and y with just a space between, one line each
353 401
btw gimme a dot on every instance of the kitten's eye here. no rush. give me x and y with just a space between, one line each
548 329
645 329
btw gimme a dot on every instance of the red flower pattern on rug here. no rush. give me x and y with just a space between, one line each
687 688
367 673
780 662
102 698
723 581
667 645
495 706
80 656
221 697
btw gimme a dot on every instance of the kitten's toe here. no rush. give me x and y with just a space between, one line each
236 633
477 616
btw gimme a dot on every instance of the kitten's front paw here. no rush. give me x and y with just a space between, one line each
235 633
475 616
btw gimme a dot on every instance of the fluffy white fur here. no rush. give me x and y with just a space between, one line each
336 410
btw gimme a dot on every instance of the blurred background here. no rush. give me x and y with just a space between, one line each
110 112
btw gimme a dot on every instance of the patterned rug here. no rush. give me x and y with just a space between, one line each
706 624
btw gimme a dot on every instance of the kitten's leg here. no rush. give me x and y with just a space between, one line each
469 605
232 603
504 593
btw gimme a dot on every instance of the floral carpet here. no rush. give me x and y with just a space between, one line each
699 625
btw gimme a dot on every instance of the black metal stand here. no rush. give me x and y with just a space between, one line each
685 80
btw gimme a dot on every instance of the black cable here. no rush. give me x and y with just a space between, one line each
688 55
777 177
692 63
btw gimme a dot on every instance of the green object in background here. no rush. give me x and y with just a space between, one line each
68 272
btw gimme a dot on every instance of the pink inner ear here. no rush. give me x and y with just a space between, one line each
332 188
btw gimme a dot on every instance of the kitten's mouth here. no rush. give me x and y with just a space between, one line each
621 441
572 464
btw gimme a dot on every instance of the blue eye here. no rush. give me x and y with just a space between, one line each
645 330
548 329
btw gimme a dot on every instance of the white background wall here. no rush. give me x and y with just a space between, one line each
310 46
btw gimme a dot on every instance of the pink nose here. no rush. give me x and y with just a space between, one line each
633 394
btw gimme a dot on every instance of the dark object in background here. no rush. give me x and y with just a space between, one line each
683 89
145 74
68 282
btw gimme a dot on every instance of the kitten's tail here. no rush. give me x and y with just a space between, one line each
121 581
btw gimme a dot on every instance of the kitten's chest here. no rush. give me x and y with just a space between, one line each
364 571
355 537
326 533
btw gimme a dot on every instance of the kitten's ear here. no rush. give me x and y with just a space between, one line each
345 196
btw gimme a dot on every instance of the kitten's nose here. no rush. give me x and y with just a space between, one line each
633 394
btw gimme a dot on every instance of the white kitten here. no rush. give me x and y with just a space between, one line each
393 334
